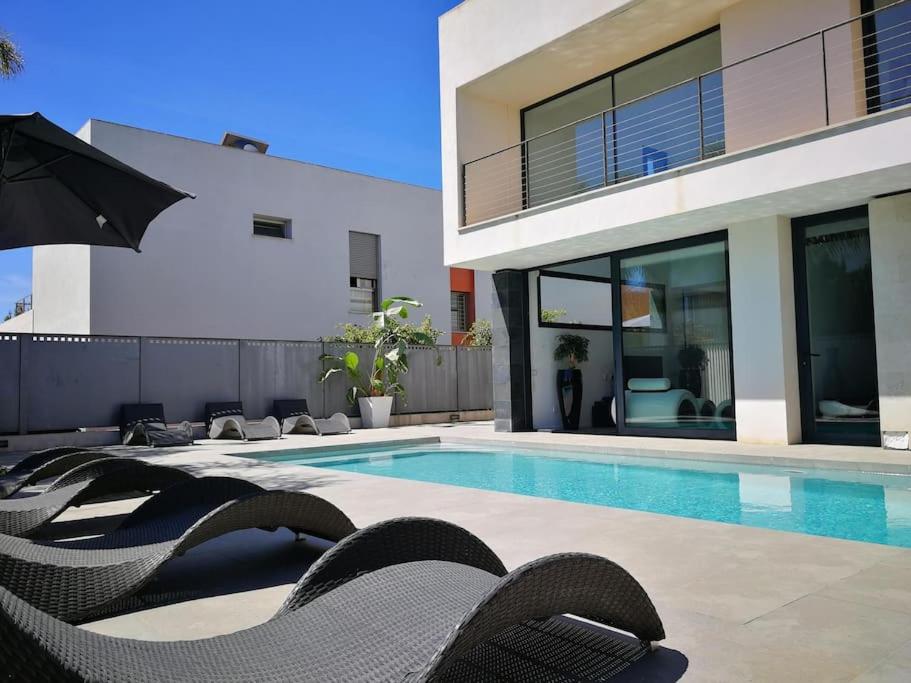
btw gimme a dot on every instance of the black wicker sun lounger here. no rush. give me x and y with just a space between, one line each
406 600
226 421
294 417
45 464
93 480
76 579
143 424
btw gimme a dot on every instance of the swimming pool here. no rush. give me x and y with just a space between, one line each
851 505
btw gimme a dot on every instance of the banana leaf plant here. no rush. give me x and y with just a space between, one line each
390 354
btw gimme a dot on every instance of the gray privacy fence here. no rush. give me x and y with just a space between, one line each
63 382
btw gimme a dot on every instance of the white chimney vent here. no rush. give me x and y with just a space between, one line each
244 143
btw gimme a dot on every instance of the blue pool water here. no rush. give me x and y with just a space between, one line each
857 506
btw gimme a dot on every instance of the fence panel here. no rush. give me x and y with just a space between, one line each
475 366
185 374
335 388
430 386
9 381
277 370
74 381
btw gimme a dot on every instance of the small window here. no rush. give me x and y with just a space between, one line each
363 271
363 295
458 308
272 227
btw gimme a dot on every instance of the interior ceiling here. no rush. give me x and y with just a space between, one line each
604 44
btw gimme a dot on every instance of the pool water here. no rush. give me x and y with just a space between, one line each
851 505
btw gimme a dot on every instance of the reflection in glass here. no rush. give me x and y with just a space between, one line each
887 49
676 339
842 340
568 300
565 161
662 131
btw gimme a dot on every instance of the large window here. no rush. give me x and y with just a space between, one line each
676 363
887 54
578 295
573 147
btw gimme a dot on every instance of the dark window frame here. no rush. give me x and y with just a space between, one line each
870 44
271 226
614 170
465 296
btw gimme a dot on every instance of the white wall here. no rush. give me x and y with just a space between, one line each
596 373
890 249
764 331
203 273
61 288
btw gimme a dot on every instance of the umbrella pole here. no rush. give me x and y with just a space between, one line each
5 146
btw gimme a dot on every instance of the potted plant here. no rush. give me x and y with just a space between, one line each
573 349
692 360
375 387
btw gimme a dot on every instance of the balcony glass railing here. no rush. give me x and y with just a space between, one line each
858 67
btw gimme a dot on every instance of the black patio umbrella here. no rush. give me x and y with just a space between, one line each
57 189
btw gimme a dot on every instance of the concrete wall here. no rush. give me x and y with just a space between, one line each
203 273
61 288
497 56
764 332
890 249
783 93
596 373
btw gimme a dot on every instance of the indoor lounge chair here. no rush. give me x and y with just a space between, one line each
143 424
41 465
88 482
294 418
406 600
75 579
227 421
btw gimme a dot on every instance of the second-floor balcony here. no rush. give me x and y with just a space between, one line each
837 74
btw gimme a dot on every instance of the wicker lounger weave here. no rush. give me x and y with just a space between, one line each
45 464
74 580
105 477
407 600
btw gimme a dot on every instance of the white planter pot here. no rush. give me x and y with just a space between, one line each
375 411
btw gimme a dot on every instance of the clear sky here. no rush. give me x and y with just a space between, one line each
347 83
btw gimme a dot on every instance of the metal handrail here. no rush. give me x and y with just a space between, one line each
604 112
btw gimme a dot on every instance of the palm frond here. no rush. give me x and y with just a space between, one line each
11 60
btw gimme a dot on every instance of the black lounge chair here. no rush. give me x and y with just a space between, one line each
407 600
143 424
226 421
77 579
91 481
294 417
45 464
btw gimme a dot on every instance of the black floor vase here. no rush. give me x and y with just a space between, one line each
569 392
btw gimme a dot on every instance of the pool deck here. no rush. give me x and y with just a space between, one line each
739 603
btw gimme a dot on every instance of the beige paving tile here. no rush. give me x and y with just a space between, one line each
835 627
883 585
741 603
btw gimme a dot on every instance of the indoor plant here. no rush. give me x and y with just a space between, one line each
572 348
374 388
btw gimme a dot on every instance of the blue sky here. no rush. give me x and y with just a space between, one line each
351 84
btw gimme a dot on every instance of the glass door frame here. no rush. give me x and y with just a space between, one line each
809 433
617 336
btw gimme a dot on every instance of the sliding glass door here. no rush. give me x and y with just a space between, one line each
836 338
673 351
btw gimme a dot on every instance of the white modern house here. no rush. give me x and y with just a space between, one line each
270 248
715 193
